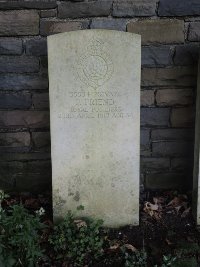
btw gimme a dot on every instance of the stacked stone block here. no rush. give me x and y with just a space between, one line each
170 32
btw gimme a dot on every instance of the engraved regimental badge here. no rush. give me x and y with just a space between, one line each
95 66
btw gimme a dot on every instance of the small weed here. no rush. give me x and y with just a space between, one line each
168 260
19 238
134 258
77 241
3 196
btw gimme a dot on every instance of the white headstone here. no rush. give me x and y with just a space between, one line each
94 80
196 171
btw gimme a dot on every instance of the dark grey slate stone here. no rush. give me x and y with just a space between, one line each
172 134
179 8
34 182
14 142
48 27
19 22
172 76
194 32
48 13
182 163
84 9
129 8
22 82
186 54
155 116
145 142
36 47
17 119
41 101
15 101
167 180
111 24
144 139
10 46
18 4
155 163
182 117
172 148
17 64
156 56
25 156
41 141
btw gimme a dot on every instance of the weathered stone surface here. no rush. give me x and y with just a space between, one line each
41 140
22 22
48 13
182 163
136 8
167 180
182 117
194 31
48 27
15 100
147 97
95 124
155 164
175 76
10 46
158 31
36 47
179 8
24 119
157 56
84 9
16 64
155 116
144 142
186 54
22 82
41 101
172 134
111 24
20 139
18 4
172 148
172 97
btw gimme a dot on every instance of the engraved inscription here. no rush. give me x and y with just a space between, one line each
95 66
96 104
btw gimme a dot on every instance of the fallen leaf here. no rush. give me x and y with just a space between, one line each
159 200
186 212
153 210
168 242
115 246
150 206
80 223
131 247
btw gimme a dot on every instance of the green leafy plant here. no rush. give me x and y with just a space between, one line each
19 237
77 241
167 261
3 196
134 258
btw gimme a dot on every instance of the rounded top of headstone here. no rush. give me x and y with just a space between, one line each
97 32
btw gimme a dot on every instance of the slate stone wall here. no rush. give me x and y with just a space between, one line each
170 40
